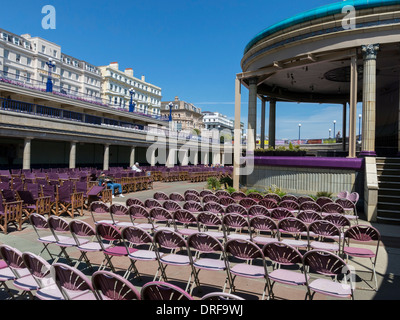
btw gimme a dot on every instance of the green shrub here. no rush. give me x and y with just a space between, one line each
324 194
276 190
231 190
213 184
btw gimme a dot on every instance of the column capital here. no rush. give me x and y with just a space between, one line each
370 51
253 81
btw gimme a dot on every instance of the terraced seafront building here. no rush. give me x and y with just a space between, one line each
343 53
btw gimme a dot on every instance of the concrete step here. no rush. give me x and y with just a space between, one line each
390 206
388 216
389 191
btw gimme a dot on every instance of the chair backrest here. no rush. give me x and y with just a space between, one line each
213 207
58 225
353 197
70 280
138 212
152 203
310 205
302 199
363 233
323 200
325 229
289 197
107 232
99 207
283 254
281 213
292 226
38 222
289 204
158 290
247 202
343 194
134 201
111 286
225 201
193 206
221 296
160 214
9 195
263 223
160 196
258 210
136 236
210 198
236 208
169 240
171 205
39 268
346 204
255 196
119 209
238 195
208 219
273 196
308 216
235 221
13 258
184 217
332 208
204 243
176 197
268 203
81 229
222 193
325 263
243 249
195 192
338 220
26 197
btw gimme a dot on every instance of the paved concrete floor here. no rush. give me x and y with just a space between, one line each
388 265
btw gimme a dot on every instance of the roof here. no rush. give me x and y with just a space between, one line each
321 12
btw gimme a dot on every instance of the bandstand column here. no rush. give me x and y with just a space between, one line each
195 157
237 146
344 126
26 160
106 161
353 108
369 100
252 112
171 158
72 155
262 142
272 123
185 159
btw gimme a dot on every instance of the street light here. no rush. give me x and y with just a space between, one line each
359 127
170 105
299 131
49 84
131 103
334 128
330 130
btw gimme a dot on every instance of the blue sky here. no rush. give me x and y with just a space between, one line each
191 49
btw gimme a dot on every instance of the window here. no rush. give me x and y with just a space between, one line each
5 36
55 53
28 61
6 54
5 71
18 58
17 73
16 41
43 49
28 77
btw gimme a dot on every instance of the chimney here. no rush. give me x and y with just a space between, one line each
176 98
114 65
143 79
129 72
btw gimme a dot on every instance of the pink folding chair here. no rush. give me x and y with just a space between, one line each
264 230
159 290
211 224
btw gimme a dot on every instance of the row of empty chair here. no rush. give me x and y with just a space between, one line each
175 247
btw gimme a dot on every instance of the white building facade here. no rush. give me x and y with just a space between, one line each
24 59
116 89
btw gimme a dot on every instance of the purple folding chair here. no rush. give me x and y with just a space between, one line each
226 201
292 206
221 296
137 212
289 197
111 286
363 234
235 226
248 202
152 203
81 230
343 195
192 197
244 251
119 210
353 197
134 201
310 206
331 208
273 196
4 186
258 210
309 216
283 255
324 235
264 230
236 208
255 196
99 208
302 199
23 280
175 252
171 205
269 204
338 220
207 255
292 231
183 221
210 198
349 206
238 195
281 213
195 192
321 201
211 224
72 283
161 219
136 237
39 268
112 244
329 265
159 290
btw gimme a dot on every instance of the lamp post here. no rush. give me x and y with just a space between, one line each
359 127
49 84
334 129
131 103
330 130
299 132
170 105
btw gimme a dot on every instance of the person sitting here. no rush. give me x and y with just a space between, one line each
108 181
136 168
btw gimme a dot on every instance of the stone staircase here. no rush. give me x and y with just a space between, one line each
388 170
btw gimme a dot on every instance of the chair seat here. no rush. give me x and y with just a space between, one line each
187 232
124 224
359 252
215 234
330 288
3 264
209 264
92 247
51 239
144 255
239 236
248 271
119 251
6 274
145 226
288 277
295 243
175 259
26 283
324 246
79 295
70 242
264 240
49 293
